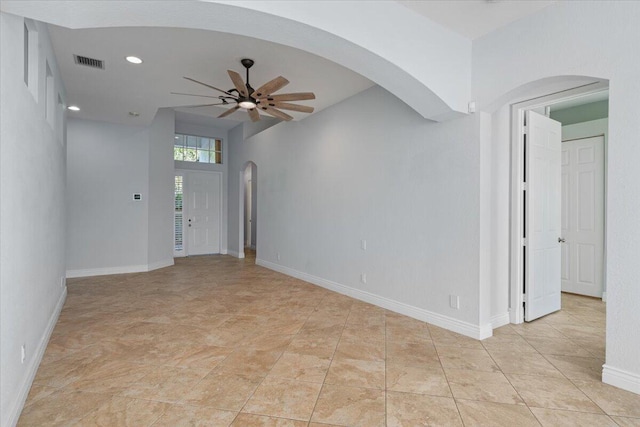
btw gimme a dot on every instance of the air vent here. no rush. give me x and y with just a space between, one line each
89 62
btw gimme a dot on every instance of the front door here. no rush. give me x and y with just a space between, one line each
583 216
542 219
204 210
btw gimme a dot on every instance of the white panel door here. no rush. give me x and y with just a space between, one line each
542 220
583 216
204 199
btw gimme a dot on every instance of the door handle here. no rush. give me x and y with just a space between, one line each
561 240
189 222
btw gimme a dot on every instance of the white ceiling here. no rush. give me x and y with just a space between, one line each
171 53
475 18
581 100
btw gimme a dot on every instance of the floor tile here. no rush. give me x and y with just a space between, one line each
557 417
61 408
251 420
612 400
227 391
120 411
483 414
407 409
302 367
551 392
420 380
194 416
283 398
356 373
466 358
486 386
350 406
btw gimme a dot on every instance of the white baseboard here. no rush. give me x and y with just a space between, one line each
446 322
224 251
499 320
620 378
23 392
119 270
236 254
604 296
160 264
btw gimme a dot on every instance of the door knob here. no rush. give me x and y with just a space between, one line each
561 240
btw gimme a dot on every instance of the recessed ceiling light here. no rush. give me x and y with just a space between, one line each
73 108
134 113
134 59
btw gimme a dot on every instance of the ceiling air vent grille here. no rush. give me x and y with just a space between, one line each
89 62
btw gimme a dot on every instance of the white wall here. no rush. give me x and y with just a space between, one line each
211 132
597 39
371 168
107 230
161 189
32 216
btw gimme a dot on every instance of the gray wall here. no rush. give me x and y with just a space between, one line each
370 168
108 232
32 224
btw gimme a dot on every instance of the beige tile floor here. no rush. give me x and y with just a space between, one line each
217 341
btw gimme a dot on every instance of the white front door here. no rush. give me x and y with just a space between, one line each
204 212
583 216
542 219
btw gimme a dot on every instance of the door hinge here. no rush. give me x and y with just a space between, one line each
525 129
524 241
524 186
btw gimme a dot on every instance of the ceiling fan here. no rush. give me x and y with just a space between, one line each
255 100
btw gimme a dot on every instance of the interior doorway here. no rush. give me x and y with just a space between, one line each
558 200
249 207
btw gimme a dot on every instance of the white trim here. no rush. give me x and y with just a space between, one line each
119 270
160 264
604 296
620 378
455 325
224 252
499 320
236 254
23 392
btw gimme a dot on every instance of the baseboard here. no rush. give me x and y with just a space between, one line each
160 264
604 296
119 270
500 320
620 378
446 322
236 254
16 410
224 251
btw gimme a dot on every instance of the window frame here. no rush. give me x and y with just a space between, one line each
217 155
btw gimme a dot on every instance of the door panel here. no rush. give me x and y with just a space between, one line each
583 211
543 223
204 193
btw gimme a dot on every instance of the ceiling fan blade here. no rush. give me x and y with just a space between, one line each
229 111
238 83
200 105
209 86
193 94
287 106
253 113
300 96
276 113
269 87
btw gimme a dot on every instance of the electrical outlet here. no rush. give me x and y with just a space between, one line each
62 281
454 301
278 256
363 278
23 353
363 244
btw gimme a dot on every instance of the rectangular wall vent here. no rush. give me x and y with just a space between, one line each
89 62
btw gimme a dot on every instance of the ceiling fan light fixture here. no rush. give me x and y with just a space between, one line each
247 104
